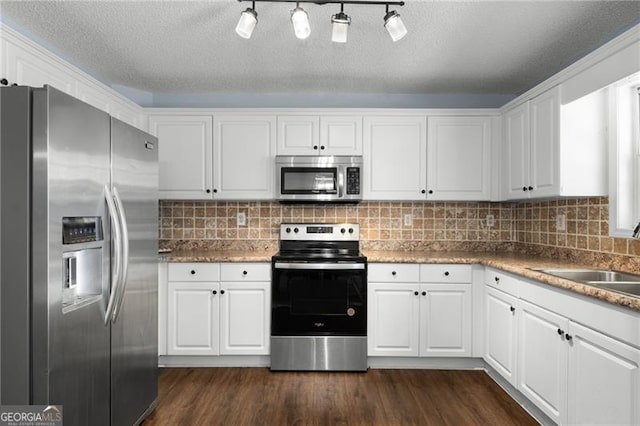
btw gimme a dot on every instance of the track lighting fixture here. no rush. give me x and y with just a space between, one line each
300 21
340 21
394 25
247 22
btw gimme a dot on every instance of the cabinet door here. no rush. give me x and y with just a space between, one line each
299 135
604 379
500 333
244 151
542 360
27 69
245 318
445 320
458 158
193 318
545 144
184 156
392 319
516 142
341 135
395 158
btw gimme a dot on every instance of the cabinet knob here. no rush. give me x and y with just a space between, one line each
321 146
214 292
431 191
530 188
193 272
512 309
497 279
446 273
4 82
424 191
568 337
416 293
244 272
315 147
215 190
524 188
424 293
560 332
208 191
393 273
221 291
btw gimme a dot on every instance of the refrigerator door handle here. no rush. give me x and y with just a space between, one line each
125 254
117 264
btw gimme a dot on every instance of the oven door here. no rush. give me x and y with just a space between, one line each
311 299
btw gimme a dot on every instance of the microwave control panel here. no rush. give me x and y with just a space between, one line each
353 180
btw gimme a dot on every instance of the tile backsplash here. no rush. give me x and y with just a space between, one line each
526 226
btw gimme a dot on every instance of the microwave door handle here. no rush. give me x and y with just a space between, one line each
340 182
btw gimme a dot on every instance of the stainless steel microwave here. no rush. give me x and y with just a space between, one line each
321 179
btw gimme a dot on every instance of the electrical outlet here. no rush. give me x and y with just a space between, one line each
408 220
561 222
491 221
242 219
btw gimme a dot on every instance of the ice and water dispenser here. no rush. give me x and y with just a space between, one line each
81 261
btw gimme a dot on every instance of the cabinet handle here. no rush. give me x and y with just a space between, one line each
530 188
393 273
431 191
221 291
214 292
321 146
497 279
568 337
315 147
208 191
512 309
424 191
215 190
193 272
424 293
244 272
4 82
415 293
524 188
446 273
560 332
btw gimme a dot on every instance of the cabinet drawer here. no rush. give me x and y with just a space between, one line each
501 281
394 272
445 273
194 272
245 272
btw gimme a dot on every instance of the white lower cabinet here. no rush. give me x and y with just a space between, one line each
571 371
207 315
427 317
500 332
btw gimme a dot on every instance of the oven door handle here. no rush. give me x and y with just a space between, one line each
323 266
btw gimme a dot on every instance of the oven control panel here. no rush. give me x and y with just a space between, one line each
320 231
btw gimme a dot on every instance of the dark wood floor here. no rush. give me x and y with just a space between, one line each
256 396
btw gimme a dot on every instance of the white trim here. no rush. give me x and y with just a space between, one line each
385 112
617 44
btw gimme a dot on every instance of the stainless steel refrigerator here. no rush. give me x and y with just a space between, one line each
78 259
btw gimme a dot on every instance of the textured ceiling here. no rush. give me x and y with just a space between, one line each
185 47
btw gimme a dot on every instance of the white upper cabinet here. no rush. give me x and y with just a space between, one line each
243 153
458 158
319 135
395 158
185 155
556 150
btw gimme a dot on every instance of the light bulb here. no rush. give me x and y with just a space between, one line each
394 25
341 24
300 21
247 22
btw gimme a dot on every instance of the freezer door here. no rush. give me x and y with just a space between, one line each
134 332
70 343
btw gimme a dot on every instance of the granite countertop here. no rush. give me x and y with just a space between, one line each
515 263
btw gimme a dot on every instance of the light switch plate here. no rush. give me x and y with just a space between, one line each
561 222
242 219
408 220
491 221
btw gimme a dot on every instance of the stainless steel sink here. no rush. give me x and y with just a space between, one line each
611 280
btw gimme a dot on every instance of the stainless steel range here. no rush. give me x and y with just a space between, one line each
319 299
